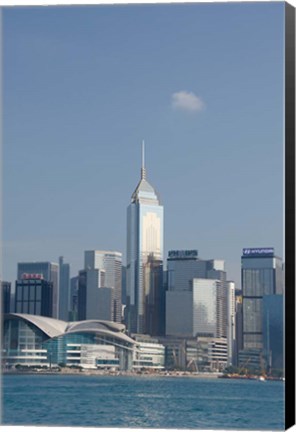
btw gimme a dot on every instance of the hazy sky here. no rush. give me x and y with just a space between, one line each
201 83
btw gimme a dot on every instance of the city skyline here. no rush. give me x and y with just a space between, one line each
212 124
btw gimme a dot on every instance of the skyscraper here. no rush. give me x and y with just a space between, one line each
49 272
194 312
5 296
33 295
184 266
262 275
99 286
64 290
89 282
144 244
111 263
273 331
74 284
155 298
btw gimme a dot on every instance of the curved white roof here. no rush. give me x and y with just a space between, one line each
50 326
53 327
104 332
100 324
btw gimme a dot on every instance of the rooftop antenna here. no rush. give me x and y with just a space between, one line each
143 170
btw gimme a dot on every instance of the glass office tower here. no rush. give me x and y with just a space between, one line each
111 263
262 275
33 295
49 272
144 244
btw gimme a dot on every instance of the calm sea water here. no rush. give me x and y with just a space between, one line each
143 402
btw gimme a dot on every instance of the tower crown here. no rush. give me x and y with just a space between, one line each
143 169
144 192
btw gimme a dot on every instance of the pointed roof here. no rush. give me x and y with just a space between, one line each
144 192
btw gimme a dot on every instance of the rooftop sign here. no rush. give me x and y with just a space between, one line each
258 252
181 254
32 276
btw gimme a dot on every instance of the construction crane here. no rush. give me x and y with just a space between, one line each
244 365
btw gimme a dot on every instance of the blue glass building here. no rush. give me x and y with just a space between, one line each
273 331
144 244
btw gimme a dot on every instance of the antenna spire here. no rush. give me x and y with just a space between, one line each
143 169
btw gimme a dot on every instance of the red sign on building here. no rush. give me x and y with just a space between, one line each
32 276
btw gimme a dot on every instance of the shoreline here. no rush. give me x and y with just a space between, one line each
171 374
147 374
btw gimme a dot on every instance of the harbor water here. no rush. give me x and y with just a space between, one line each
142 402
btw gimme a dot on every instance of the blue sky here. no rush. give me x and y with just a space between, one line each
83 86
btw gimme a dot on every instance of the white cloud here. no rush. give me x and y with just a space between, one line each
187 101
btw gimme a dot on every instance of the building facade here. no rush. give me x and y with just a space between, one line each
149 353
273 331
231 327
73 315
30 340
90 282
144 244
196 291
182 267
5 296
205 307
49 272
33 295
109 262
155 298
64 290
262 274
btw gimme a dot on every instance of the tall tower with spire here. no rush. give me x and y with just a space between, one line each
144 254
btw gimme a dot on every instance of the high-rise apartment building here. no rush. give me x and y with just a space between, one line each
144 244
262 274
49 272
64 290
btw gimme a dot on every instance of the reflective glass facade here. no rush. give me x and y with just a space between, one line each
111 263
50 273
144 243
89 350
205 318
182 268
273 330
33 296
23 343
40 341
261 275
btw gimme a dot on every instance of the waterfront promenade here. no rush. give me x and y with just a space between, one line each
96 372
147 373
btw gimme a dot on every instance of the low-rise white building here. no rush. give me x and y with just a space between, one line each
148 353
